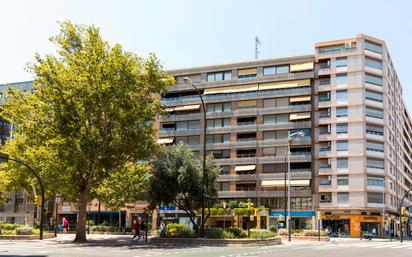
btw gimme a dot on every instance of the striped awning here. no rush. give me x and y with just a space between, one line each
299 116
301 66
298 99
187 107
232 89
284 84
165 140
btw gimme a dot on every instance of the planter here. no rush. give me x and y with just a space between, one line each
216 242
24 237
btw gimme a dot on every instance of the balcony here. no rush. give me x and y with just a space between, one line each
260 193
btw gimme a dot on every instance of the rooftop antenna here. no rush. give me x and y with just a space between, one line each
257 44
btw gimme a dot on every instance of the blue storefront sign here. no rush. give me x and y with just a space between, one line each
293 214
167 208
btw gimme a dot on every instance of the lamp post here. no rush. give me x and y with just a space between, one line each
291 138
56 218
204 176
5 158
89 207
224 215
248 217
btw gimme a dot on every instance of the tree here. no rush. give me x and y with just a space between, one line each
92 111
124 186
176 178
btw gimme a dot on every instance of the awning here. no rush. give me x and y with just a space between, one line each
170 109
245 167
165 140
233 89
301 66
247 103
281 183
187 107
298 99
299 116
247 71
284 84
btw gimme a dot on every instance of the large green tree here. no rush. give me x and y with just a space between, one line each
92 111
176 178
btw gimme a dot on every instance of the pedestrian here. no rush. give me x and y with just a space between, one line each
162 229
65 225
142 230
339 232
136 229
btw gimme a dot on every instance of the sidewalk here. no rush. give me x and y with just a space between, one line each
93 239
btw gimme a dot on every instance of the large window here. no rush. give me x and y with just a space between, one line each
218 123
342 163
218 138
342 128
375 146
375 163
342 145
218 76
274 168
251 186
275 151
341 79
223 186
273 135
374 129
373 47
373 79
343 197
375 197
190 140
187 125
271 119
373 63
341 112
280 69
374 113
301 202
374 96
335 48
341 95
343 180
376 181
341 62
324 96
275 102
218 107
219 154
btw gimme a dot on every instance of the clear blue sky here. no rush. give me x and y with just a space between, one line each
185 33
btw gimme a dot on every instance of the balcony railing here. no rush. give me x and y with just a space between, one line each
325 149
246 155
246 123
372 132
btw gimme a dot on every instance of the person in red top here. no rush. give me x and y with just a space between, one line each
65 224
136 229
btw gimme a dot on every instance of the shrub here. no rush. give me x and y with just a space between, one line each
297 231
273 229
8 232
235 230
313 233
179 230
243 234
228 234
24 230
283 232
8 226
261 233
214 233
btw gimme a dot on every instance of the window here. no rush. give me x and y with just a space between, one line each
342 145
376 181
225 170
374 129
373 47
190 140
373 63
248 104
218 107
325 147
280 69
375 163
223 186
375 146
373 79
342 128
273 135
341 95
219 154
374 113
246 137
375 198
324 113
374 96
187 125
218 138
341 79
341 62
325 181
343 198
301 202
275 102
341 112
246 121
324 129
324 163
335 48
342 163
343 180
218 76
218 123
324 96
274 168
246 73
245 186
271 119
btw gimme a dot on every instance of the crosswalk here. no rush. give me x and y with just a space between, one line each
359 244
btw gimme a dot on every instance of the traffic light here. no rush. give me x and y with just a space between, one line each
388 220
250 205
37 200
403 211
320 215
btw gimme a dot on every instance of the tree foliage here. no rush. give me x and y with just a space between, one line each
91 112
176 179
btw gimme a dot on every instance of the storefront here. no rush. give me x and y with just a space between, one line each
352 225
299 219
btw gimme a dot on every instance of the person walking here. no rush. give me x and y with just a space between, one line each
65 225
142 230
339 232
162 229
136 229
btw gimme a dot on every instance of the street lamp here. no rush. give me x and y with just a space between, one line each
89 207
291 138
5 158
188 81
56 223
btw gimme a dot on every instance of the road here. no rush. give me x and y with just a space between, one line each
121 246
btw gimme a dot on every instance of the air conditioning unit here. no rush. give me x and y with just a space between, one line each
329 177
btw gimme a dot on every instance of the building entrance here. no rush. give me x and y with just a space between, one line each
334 226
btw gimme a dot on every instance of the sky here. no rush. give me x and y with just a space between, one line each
186 33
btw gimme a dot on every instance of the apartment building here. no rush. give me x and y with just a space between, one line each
353 163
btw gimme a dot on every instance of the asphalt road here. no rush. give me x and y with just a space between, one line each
122 246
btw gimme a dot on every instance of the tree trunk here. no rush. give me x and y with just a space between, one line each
81 219
120 220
